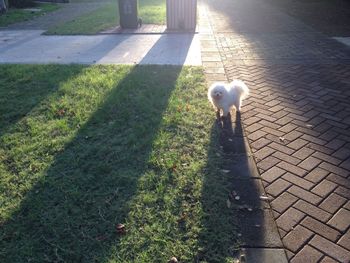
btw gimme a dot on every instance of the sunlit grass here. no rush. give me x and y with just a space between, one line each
107 16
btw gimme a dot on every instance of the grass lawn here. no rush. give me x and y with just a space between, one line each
15 15
151 12
83 149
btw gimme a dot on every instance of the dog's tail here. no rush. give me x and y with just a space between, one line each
241 88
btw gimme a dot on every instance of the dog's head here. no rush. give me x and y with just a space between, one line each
217 92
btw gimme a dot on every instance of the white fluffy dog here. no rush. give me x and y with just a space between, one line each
225 96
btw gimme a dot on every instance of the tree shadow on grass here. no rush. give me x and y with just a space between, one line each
235 214
70 215
24 87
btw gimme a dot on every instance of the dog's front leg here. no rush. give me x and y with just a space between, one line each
218 113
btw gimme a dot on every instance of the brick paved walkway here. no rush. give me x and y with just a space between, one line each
297 119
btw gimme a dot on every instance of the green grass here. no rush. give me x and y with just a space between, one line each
85 148
15 15
151 12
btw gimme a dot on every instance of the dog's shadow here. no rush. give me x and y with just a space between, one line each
251 220
231 133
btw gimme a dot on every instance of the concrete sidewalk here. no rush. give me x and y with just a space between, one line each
29 46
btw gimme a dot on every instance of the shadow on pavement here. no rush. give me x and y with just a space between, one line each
244 221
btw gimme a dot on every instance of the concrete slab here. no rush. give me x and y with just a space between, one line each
248 194
258 229
264 255
343 40
29 46
243 167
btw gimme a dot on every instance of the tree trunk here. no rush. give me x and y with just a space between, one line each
2 6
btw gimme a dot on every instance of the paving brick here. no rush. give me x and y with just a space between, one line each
308 131
329 135
281 148
254 127
272 174
263 153
298 181
256 135
266 117
328 260
273 104
341 220
320 148
345 192
285 157
289 254
321 228
332 203
335 144
269 124
296 238
297 144
322 127
251 120
260 143
346 165
289 219
342 154
347 205
279 114
283 121
345 240
324 188
268 162
312 210
334 169
307 254
316 175
303 153
273 138
313 139
277 187
282 232
288 127
291 136
292 168
283 202
330 249
305 195
327 158
272 131
339 180
309 163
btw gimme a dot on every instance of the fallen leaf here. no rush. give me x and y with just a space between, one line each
228 203
61 112
120 229
173 260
